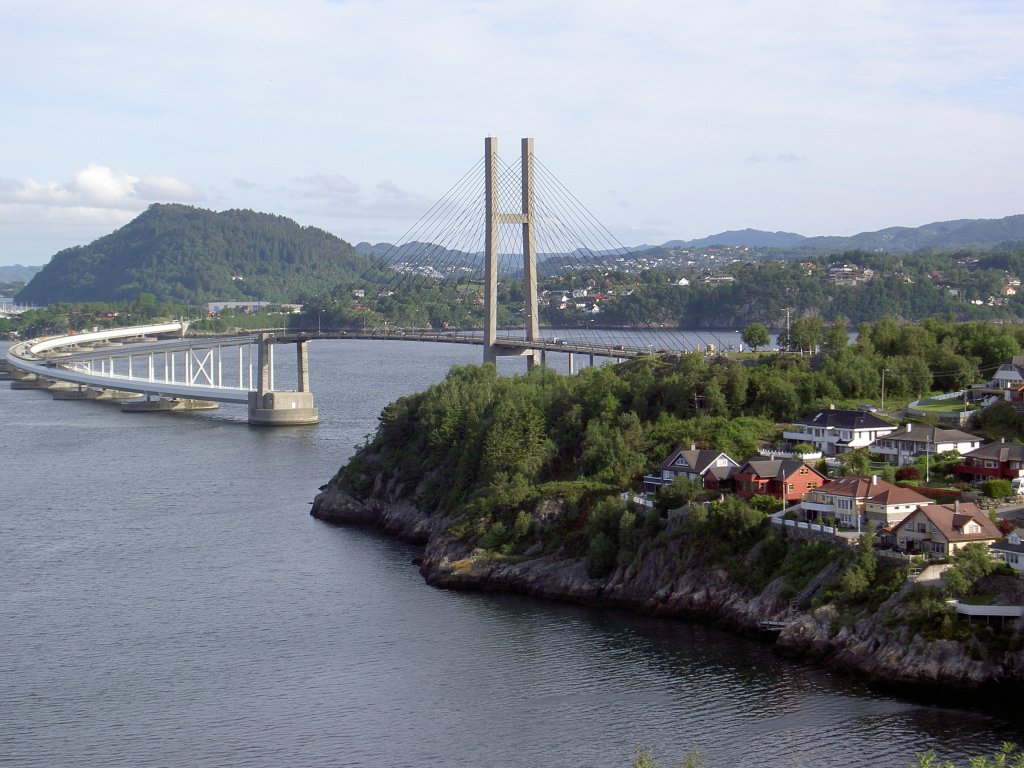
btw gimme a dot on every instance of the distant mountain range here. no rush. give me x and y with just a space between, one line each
941 235
16 273
752 238
192 255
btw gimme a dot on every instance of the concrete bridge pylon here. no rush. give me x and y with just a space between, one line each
493 219
275 408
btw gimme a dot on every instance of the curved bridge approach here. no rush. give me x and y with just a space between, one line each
170 375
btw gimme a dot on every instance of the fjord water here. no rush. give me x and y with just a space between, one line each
165 599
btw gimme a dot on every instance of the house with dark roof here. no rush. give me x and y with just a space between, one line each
904 446
787 479
1010 374
992 462
833 431
1011 549
690 465
939 530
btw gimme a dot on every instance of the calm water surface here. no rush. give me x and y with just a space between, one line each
167 601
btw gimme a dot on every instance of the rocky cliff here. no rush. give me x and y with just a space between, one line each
660 583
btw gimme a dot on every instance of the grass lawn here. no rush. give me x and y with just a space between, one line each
978 600
945 406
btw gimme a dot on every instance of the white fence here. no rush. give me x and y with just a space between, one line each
804 526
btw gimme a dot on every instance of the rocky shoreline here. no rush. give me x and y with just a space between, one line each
882 654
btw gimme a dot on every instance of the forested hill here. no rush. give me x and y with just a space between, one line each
191 255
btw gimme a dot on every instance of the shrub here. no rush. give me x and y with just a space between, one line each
908 473
601 555
497 535
997 489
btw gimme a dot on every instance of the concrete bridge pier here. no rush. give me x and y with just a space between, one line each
30 381
166 405
80 392
276 408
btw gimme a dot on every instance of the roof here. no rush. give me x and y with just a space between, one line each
697 460
1004 545
932 435
778 469
998 452
899 495
950 519
857 487
722 473
841 419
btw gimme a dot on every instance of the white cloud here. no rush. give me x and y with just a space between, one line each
818 118
96 200
96 187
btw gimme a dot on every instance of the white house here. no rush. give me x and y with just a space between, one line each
834 431
1010 374
906 445
1011 549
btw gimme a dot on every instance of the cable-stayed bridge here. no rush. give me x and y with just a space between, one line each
505 253
466 273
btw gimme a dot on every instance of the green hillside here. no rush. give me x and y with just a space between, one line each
191 255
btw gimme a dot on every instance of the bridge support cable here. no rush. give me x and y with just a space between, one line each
468 271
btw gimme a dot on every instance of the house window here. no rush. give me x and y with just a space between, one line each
938 547
922 528
791 488
1012 557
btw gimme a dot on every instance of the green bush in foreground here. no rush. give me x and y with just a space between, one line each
1006 757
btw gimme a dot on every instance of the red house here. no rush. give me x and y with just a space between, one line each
991 462
787 479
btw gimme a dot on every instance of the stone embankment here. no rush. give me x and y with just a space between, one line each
657 584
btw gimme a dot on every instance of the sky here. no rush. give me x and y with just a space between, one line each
667 120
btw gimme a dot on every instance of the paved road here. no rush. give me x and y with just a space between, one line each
1014 512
